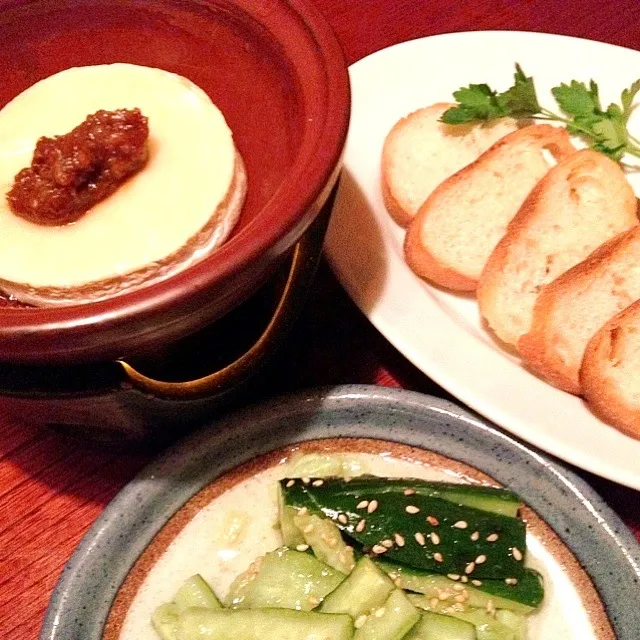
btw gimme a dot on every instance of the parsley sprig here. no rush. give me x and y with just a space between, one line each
582 114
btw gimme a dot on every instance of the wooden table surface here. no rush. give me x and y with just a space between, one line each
52 487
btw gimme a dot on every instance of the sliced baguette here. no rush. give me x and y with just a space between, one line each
581 203
609 372
420 152
573 307
461 222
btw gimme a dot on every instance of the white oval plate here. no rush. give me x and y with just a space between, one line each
439 332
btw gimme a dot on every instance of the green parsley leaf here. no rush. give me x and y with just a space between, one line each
475 102
627 99
576 100
521 99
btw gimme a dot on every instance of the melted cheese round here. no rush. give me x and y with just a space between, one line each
191 173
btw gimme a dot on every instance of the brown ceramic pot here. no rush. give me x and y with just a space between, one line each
277 73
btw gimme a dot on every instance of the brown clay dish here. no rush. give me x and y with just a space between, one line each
277 73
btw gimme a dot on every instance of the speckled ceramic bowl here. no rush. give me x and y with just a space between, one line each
277 73
590 562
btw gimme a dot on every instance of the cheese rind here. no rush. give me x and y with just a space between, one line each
189 176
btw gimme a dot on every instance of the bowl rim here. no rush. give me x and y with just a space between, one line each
70 326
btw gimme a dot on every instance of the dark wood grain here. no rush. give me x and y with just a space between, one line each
52 488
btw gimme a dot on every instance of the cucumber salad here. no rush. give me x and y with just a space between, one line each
371 558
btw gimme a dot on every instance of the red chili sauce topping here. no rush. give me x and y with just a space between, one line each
71 173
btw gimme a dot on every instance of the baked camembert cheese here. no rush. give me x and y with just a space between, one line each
169 215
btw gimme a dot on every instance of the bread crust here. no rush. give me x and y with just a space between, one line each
601 390
585 163
538 347
419 256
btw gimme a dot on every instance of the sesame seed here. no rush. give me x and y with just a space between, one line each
469 568
363 504
476 583
342 518
360 621
453 576
314 601
378 549
379 612
433 603
461 597
475 536
303 511
511 581
433 521
373 505
411 509
517 554
481 559
308 529
290 483
492 538
464 579
461 524
420 538
458 587
317 483
443 595
409 492
360 526
457 608
399 539
306 480
387 543
491 608
435 538
302 547
438 557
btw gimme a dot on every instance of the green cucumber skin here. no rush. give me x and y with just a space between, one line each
334 497
492 499
195 592
258 624
366 588
523 597
286 579
434 626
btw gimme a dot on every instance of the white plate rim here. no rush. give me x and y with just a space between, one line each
385 312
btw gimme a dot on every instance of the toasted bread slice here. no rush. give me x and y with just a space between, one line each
581 203
574 306
609 373
461 222
420 152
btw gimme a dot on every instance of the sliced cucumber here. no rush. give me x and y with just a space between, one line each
165 621
258 624
436 535
514 621
326 541
284 579
434 626
487 627
392 621
321 465
195 592
365 589
291 535
523 597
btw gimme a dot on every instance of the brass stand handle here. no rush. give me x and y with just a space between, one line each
302 261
